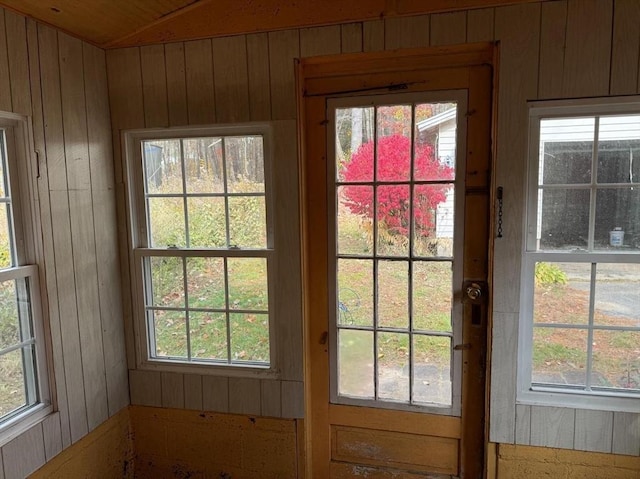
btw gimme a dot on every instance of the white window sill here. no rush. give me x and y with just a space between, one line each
579 399
20 423
235 370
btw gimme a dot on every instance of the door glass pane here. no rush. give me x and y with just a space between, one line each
433 220
432 283
393 367
354 224
435 141
355 359
393 294
432 382
355 292
392 206
393 220
393 147
354 137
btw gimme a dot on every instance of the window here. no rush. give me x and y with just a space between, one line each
580 341
24 394
202 245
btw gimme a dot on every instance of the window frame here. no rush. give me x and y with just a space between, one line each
527 393
21 172
139 249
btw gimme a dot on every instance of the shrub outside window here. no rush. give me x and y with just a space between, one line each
580 329
24 393
202 245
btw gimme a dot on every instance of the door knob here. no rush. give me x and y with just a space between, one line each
474 291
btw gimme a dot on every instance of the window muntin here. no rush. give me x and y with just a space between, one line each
206 246
394 190
581 276
23 384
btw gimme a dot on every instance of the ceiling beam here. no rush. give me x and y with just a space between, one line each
212 18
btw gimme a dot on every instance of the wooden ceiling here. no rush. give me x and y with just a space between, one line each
120 23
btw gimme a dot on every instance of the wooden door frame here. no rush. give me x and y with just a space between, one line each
370 73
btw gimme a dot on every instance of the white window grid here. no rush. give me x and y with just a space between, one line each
18 168
142 251
588 396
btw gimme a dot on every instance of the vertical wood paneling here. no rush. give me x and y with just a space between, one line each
593 431
626 433
270 398
125 98
552 426
18 57
193 392
231 79
588 54
517 28
258 74
82 228
288 306
61 228
292 399
145 388
283 48
625 48
448 28
5 93
176 84
503 376
52 436
320 41
24 454
215 393
523 424
406 32
351 37
127 111
58 387
154 86
373 36
480 25
199 73
105 227
552 49
172 390
244 396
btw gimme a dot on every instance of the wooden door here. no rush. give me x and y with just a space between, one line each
396 162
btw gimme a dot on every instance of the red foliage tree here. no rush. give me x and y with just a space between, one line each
394 163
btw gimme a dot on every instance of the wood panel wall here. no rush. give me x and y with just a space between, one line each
61 83
554 49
